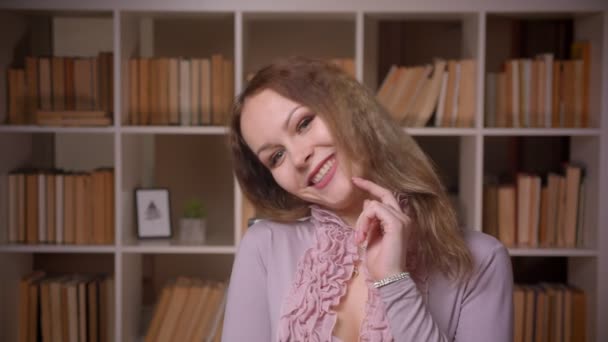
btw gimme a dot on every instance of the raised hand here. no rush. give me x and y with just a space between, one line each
384 228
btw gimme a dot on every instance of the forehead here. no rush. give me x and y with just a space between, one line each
263 115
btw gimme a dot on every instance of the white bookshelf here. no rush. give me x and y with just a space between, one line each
144 155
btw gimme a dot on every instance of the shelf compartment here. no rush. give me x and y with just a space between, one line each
146 275
168 44
268 36
189 166
45 34
528 36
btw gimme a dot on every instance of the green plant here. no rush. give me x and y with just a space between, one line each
194 208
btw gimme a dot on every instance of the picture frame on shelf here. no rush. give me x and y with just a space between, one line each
153 213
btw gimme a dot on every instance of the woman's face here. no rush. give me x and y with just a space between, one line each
297 147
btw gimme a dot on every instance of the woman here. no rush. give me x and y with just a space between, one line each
362 243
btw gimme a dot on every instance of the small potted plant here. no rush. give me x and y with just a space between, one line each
193 224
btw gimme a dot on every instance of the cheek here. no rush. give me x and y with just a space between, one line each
285 179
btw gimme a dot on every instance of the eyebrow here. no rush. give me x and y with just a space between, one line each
285 125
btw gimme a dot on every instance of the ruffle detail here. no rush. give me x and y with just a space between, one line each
321 281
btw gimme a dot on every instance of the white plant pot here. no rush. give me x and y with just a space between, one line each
192 231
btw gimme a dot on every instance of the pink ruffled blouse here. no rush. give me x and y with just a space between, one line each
287 278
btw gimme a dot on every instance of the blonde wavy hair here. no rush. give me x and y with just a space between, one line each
366 134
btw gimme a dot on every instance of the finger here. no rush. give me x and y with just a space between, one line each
364 225
383 194
377 219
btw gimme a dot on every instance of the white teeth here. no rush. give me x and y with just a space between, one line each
317 178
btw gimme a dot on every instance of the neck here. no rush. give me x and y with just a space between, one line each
351 213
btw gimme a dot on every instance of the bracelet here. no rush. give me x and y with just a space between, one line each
391 279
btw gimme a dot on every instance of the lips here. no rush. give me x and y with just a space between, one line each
317 168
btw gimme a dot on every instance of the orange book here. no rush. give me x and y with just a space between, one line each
93 309
133 92
534 95
502 117
144 91
16 97
449 97
187 317
83 84
573 181
45 89
160 311
387 84
80 225
205 92
530 303
568 94
173 91
50 208
217 87
69 232
58 83
557 94
579 314
31 188
228 89
582 50
175 307
195 92
524 182
210 312
534 210
544 215
45 310
98 207
518 314
28 307
541 316
109 205
95 91
541 91
507 215
21 208
32 95
466 94
68 81
154 110
490 210
560 227
201 301
163 91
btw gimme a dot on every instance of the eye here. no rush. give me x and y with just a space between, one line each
304 123
274 158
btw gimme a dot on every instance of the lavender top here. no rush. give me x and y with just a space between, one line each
287 277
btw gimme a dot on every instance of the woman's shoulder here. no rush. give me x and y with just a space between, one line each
484 248
265 232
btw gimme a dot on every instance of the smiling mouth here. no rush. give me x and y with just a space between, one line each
322 171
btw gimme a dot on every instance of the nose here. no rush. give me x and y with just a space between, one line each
302 154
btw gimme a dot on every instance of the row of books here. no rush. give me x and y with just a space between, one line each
66 308
549 312
180 91
532 214
412 94
58 207
60 84
541 91
189 309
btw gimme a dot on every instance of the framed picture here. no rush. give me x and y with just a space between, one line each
153 213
